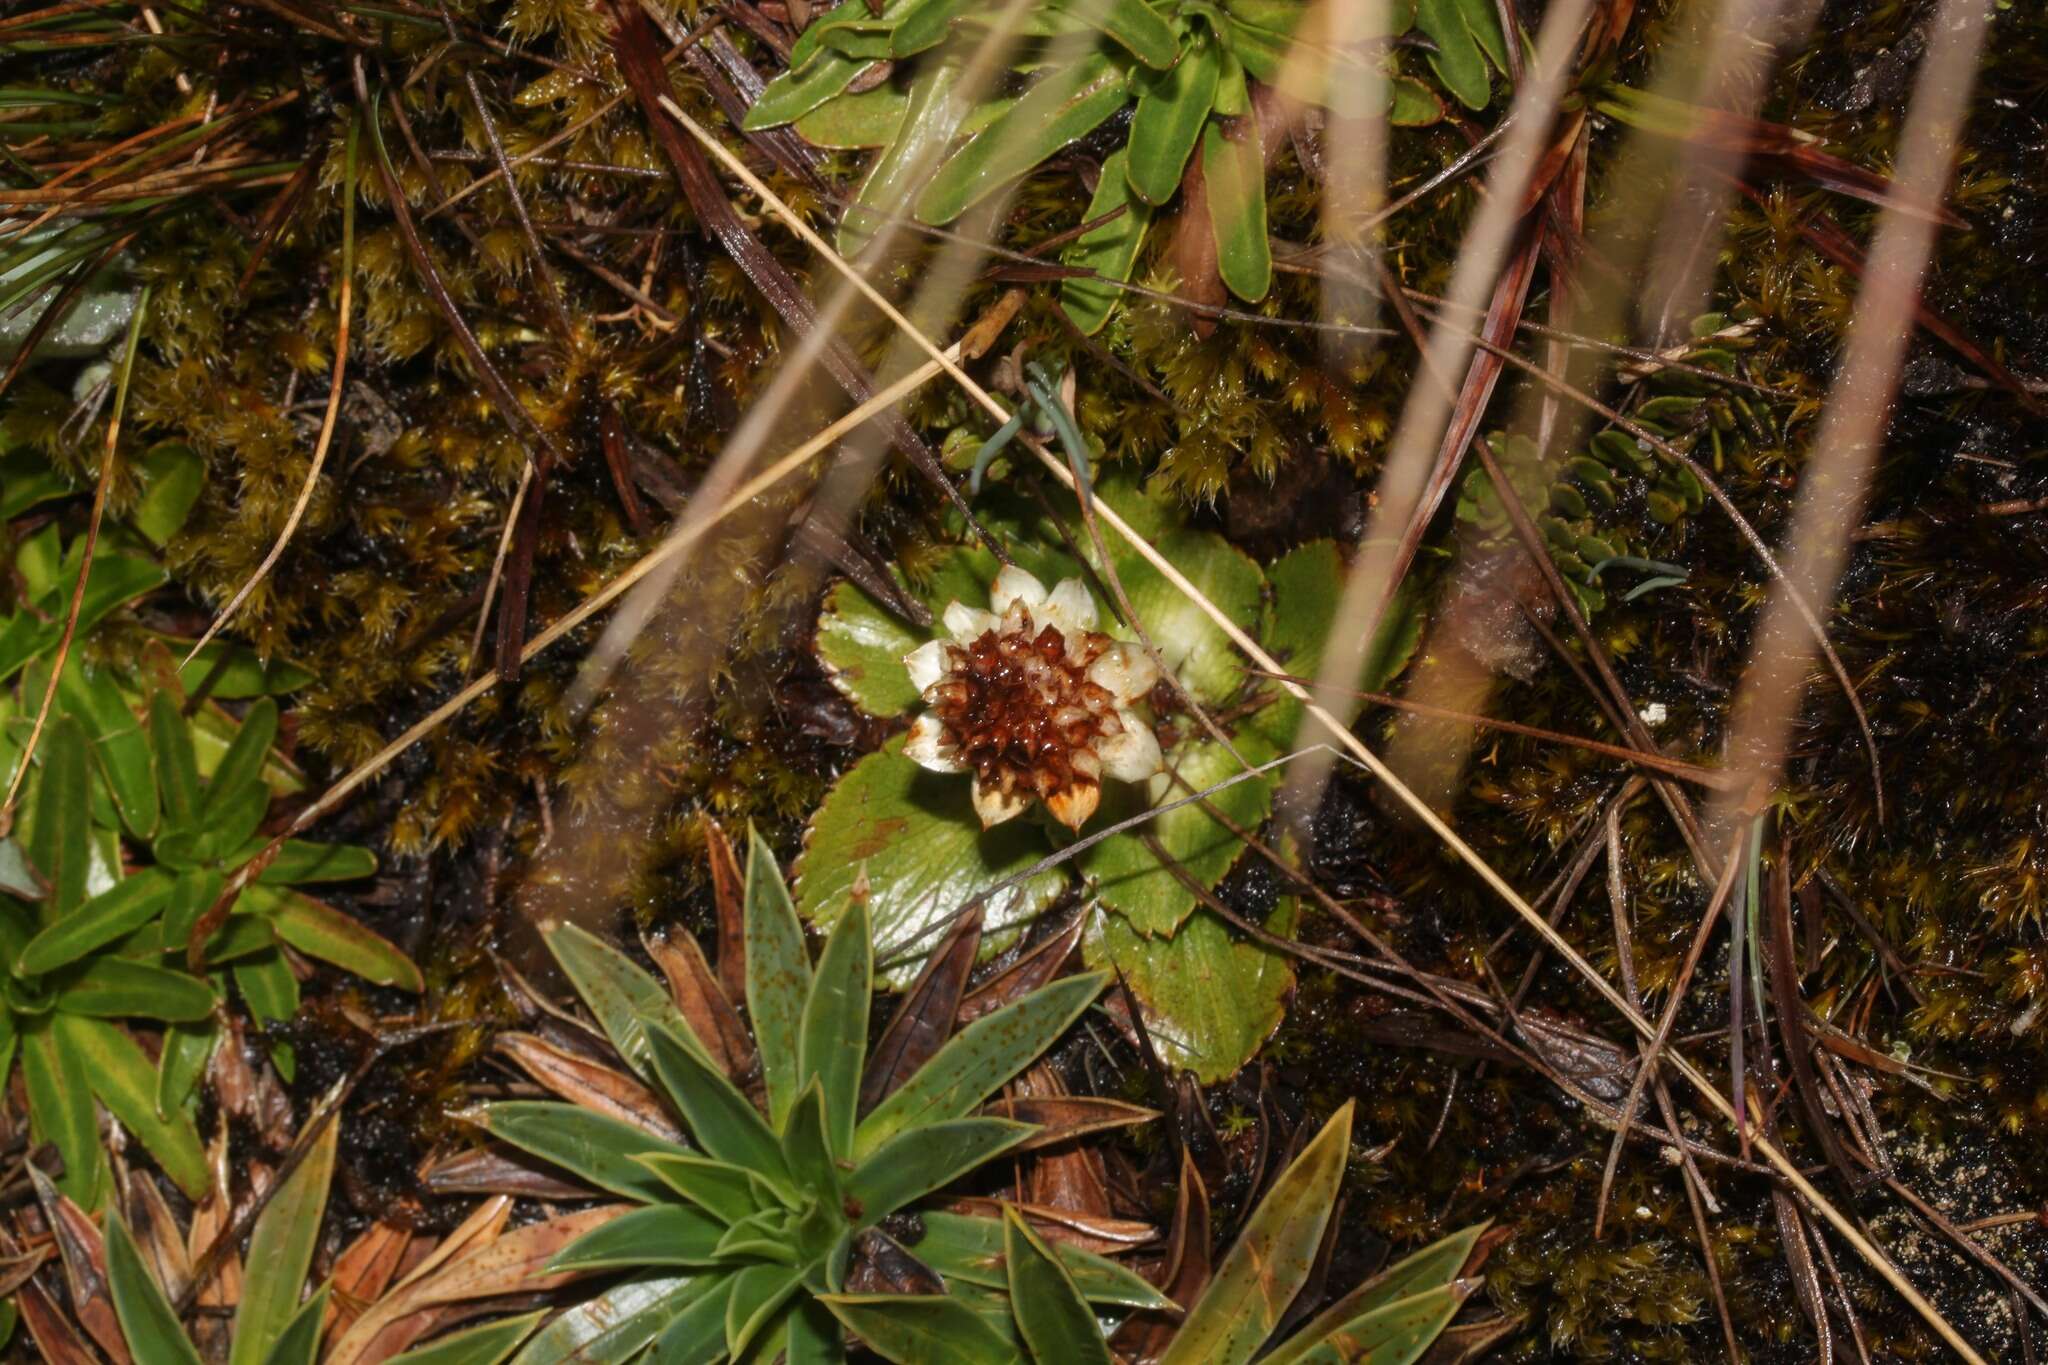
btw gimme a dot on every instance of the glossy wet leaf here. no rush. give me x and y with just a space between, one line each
778 975
929 123
1110 250
1065 105
920 1329
833 1038
912 837
724 1191
1056 1323
485 1345
928 1157
721 1120
796 93
1459 61
1234 174
978 1060
127 906
968 1247
113 988
60 1109
281 1251
601 1150
1211 998
299 861
850 122
147 1318
659 1235
1269 1263
1171 110
1130 24
616 1325
125 1081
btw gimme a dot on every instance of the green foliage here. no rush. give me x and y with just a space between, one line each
1183 67
763 1213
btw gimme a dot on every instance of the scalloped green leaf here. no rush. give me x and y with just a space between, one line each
1211 998
912 838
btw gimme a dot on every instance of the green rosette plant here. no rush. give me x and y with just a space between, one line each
914 844
743 1220
1189 70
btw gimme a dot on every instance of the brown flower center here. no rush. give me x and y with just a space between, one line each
1021 712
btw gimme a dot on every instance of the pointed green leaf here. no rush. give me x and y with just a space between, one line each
119 744
1430 1270
815 1337
242 764
778 975
618 1324
177 767
1055 1321
1171 111
123 1079
299 862
659 1235
319 930
834 1035
758 1293
975 1062
726 1192
59 840
1110 250
485 1345
969 1249
925 1158
1067 104
128 906
696 1335
1234 170
281 1251
921 1329
808 1149
172 474
721 1120
1130 24
603 1151
929 122
186 1052
61 1113
299 1342
625 999
113 988
234 673
147 1319
795 93
1397 1333
1458 61
1271 1259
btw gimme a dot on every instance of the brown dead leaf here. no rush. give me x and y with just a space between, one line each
924 1020
728 891
84 1259
1144 1337
1036 967
489 1171
1103 1236
702 999
588 1084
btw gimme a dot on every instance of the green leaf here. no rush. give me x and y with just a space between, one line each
862 645
268 988
851 122
930 121
281 1251
833 1038
172 474
625 999
660 1235
232 672
1055 1321
177 768
815 1337
1130 24
123 1079
1234 170
27 479
924 1158
721 1120
1271 1259
726 1192
299 1342
112 988
1430 1271
1210 1000
976 1061
59 839
147 1319
185 1055
921 1329
924 26
118 743
319 930
1171 111
757 1293
1458 60
299 862
795 93
193 893
242 765
778 976
61 1112
127 906
913 838
969 1248
485 1345
1412 104
618 1324
1394 1334
808 1150
696 1336
1110 250
1064 105
603 1151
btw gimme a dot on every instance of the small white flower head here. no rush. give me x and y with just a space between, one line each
1033 701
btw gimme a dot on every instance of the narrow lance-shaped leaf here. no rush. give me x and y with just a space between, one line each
59 844
147 1318
123 1079
659 1235
299 1342
242 765
795 93
113 988
1055 1321
778 975
1110 250
929 123
177 767
625 999
281 1251
1171 111
126 906
603 1151
1234 168
1063 106
118 743
720 1118
1132 25
60 1112
926 1158
319 930
921 1329
834 1034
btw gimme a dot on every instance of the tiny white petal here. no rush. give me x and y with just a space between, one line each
926 663
928 747
1014 585
1132 755
1124 671
1069 606
968 623
994 807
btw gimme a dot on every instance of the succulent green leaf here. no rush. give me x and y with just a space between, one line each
795 93
281 1251
912 837
1271 1259
659 1235
1066 104
833 1039
1171 111
1110 250
615 1326
485 1345
61 1113
319 930
928 1157
721 1120
1055 1321
976 1061
118 743
127 906
1409 1284
148 1321
113 988
696 1335
726 1192
1132 25
930 121
924 26
868 119
758 1293
968 1248
1393 1334
172 475
778 975
59 841
815 1337
808 1149
921 1329
1234 171
1459 61
299 1342
604 1151
624 998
